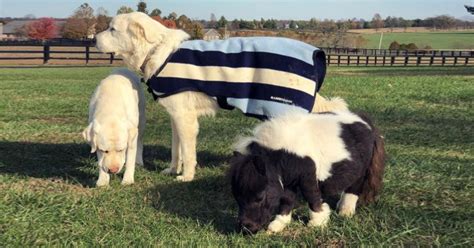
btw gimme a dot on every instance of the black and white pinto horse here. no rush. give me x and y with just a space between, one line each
320 154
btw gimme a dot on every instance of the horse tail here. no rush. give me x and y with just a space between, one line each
373 179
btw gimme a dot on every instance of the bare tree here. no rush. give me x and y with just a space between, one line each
377 21
124 10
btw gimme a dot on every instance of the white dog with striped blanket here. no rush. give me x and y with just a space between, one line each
275 76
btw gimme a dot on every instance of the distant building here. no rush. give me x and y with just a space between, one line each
14 30
1 31
211 34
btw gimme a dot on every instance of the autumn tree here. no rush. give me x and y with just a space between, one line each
81 23
197 31
42 29
155 12
124 10
75 28
377 21
103 20
172 16
141 7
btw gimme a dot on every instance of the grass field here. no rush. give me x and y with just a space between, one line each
47 197
444 40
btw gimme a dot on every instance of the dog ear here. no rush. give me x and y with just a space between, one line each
90 135
146 27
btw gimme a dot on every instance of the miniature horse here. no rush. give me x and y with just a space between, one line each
322 154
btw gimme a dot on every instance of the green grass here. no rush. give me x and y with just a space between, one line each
444 40
47 174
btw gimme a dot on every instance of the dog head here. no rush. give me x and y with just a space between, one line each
135 36
256 189
110 142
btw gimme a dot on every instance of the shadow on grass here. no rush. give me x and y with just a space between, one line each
67 161
73 162
163 154
205 200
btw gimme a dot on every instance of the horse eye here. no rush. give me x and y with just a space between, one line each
112 29
106 151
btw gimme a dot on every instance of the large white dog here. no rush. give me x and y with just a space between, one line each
145 45
116 125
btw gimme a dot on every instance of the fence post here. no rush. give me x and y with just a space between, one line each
392 60
455 60
348 59
338 60
329 60
45 53
87 54
443 60
111 58
358 60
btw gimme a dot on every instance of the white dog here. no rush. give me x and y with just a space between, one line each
116 124
145 45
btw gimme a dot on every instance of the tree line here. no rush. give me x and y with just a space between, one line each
85 22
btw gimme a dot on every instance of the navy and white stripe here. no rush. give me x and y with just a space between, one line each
263 77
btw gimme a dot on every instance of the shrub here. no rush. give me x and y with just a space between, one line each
394 45
412 46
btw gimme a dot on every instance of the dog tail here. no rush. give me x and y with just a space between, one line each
323 104
373 179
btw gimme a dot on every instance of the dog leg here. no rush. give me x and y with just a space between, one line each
140 151
104 178
176 160
128 176
188 129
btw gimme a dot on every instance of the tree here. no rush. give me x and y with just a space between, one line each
172 16
124 10
377 21
469 9
197 31
222 22
42 29
213 21
81 24
292 24
155 12
141 7
102 20
75 28
86 13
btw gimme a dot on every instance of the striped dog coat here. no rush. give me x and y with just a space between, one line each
263 77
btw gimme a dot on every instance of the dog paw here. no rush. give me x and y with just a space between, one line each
169 171
184 178
128 181
102 183
321 218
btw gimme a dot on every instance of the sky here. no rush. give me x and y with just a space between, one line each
251 9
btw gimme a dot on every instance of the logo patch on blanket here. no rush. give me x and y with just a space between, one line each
263 77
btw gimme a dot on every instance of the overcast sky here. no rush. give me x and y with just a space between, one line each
251 9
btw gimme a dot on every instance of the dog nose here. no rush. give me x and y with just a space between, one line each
114 170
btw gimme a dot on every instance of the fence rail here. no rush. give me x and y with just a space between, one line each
335 56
